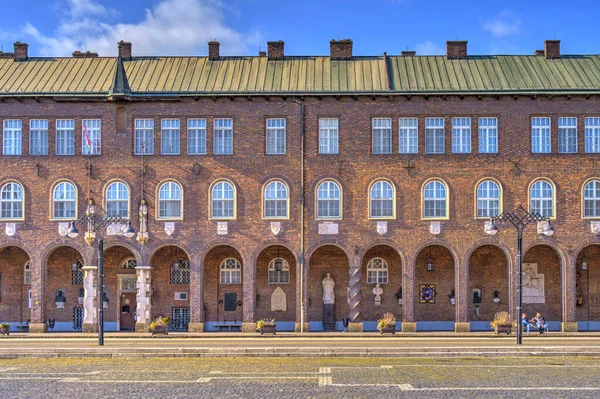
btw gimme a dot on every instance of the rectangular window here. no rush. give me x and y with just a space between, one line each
196 136
592 135
382 135
169 137
65 137
461 135
93 127
434 136
223 136
38 137
12 137
540 135
276 136
488 135
567 135
409 136
328 136
144 136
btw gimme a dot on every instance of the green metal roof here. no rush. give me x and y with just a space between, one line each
173 76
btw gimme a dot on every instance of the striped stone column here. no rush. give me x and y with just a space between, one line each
354 295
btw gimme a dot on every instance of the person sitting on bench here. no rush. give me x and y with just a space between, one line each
525 322
540 323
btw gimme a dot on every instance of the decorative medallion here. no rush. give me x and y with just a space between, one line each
381 228
275 227
435 228
11 229
427 293
328 228
595 226
63 227
169 228
222 228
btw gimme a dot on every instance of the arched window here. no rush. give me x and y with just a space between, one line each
591 199
382 200
377 271
276 200
231 271
27 273
435 200
180 271
542 198
488 199
129 263
328 200
11 201
279 271
169 201
117 200
223 200
64 201
77 272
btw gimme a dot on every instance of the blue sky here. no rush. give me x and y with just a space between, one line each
182 27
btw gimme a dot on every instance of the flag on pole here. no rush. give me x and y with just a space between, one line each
88 142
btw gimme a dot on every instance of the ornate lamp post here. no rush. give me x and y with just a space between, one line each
96 220
519 218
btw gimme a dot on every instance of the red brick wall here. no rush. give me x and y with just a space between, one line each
328 259
59 276
13 292
488 271
443 279
213 289
264 289
588 284
164 292
389 302
548 265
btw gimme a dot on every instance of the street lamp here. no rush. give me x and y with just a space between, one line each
519 218
96 220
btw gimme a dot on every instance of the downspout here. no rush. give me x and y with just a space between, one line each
303 135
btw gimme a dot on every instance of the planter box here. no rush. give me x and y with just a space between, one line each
268 328
503 328
391 330
160 330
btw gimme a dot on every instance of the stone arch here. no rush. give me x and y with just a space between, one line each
587 283
86 252
125 244
15 306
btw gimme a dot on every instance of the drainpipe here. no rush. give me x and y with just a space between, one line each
302 310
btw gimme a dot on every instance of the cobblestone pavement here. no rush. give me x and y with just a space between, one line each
526 377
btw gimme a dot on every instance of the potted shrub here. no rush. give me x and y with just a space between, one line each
266 326
501 323
387 324
4 327
160 325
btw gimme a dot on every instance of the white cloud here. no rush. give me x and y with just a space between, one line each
504 24
172 27
429 48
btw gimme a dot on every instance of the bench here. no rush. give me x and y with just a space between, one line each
23 327
228 326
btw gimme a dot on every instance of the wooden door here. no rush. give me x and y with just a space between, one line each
127 311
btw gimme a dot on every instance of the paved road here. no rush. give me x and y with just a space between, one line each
533 377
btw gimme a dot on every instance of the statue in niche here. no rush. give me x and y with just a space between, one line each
143 214
328 285
377 291
533 284
476 297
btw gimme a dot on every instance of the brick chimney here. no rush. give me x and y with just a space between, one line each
213 50
21 50
407 53
87 54
456 49
275 50
262 53
6 55
551 49
124 50
340 49
539 52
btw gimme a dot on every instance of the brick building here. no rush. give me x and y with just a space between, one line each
262 175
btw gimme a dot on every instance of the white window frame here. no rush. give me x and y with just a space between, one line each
12 138
591 196
172 193
38 137
567 135
223 136
273 199
65 137
539 203
381 136
435 192
230 271
69 202
377 271
276 136
541 135
326 198
27 273
196 136
408 135
117 193
461 135
488 205
488 135
435 136
382 192
282 277
94 128
222 199
170 136
144 133
592 135
12 198
328 135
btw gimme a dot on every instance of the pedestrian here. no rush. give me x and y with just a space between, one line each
525 322
540 323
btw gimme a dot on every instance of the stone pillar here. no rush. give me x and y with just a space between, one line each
302 284
249 297
408 296
37 323
569 296
196 298
463 298
143 298
355 285
90 321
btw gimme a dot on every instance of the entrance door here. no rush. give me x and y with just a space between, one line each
127 311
